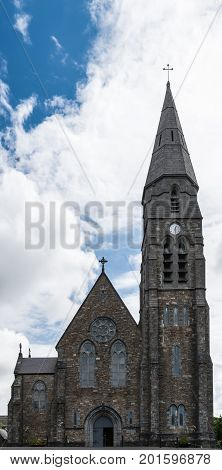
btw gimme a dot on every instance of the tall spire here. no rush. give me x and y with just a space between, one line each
170 154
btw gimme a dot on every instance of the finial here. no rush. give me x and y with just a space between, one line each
168 70
103 261
29 352
20 349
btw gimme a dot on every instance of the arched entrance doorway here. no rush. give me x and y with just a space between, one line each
103 428
103 432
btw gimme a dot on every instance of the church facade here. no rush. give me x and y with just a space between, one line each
118 383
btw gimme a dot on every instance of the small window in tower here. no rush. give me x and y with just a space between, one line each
167 262
182 139
186 315
76 418
176 361
166 315
130 418
182 261
160 138
173 412
175 315
172 136
174 200
177 415
181 415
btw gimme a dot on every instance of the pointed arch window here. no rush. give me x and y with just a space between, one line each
176 360
175 315
181 415
183 319
174 200
173 415
87 364
182 261
167 261
177 415
166 315
118 364
39 399
186 315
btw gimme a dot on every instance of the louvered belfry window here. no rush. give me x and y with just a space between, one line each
182 261
174 200
167 262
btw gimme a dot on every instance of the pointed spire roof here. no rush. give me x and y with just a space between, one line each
170 154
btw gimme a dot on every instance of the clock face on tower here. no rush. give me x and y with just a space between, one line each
103 329
175 229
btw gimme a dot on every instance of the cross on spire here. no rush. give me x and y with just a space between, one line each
168 70
103 261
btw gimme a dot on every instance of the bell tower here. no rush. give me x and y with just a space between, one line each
176 368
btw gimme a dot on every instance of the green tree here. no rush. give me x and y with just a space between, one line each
217 425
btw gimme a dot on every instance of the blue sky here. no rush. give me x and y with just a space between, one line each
59 69
88 137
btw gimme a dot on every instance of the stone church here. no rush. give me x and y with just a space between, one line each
116 382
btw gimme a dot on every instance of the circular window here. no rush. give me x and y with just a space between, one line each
103 329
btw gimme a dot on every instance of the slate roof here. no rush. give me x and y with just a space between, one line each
36 365
170 154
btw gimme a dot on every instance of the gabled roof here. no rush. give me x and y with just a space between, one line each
36 365
102 278
170 154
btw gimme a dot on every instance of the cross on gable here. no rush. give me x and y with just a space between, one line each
103 261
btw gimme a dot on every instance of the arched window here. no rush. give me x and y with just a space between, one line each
176 361
118 364
173 415
130 418
182 261
175 315
39 400
167 261
185 315
181 415
166 317
87 364
174 200
177 415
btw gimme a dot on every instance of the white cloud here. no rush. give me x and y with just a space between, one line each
56 42
22 21
111 132
60 52
4 99
18 3
3 66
